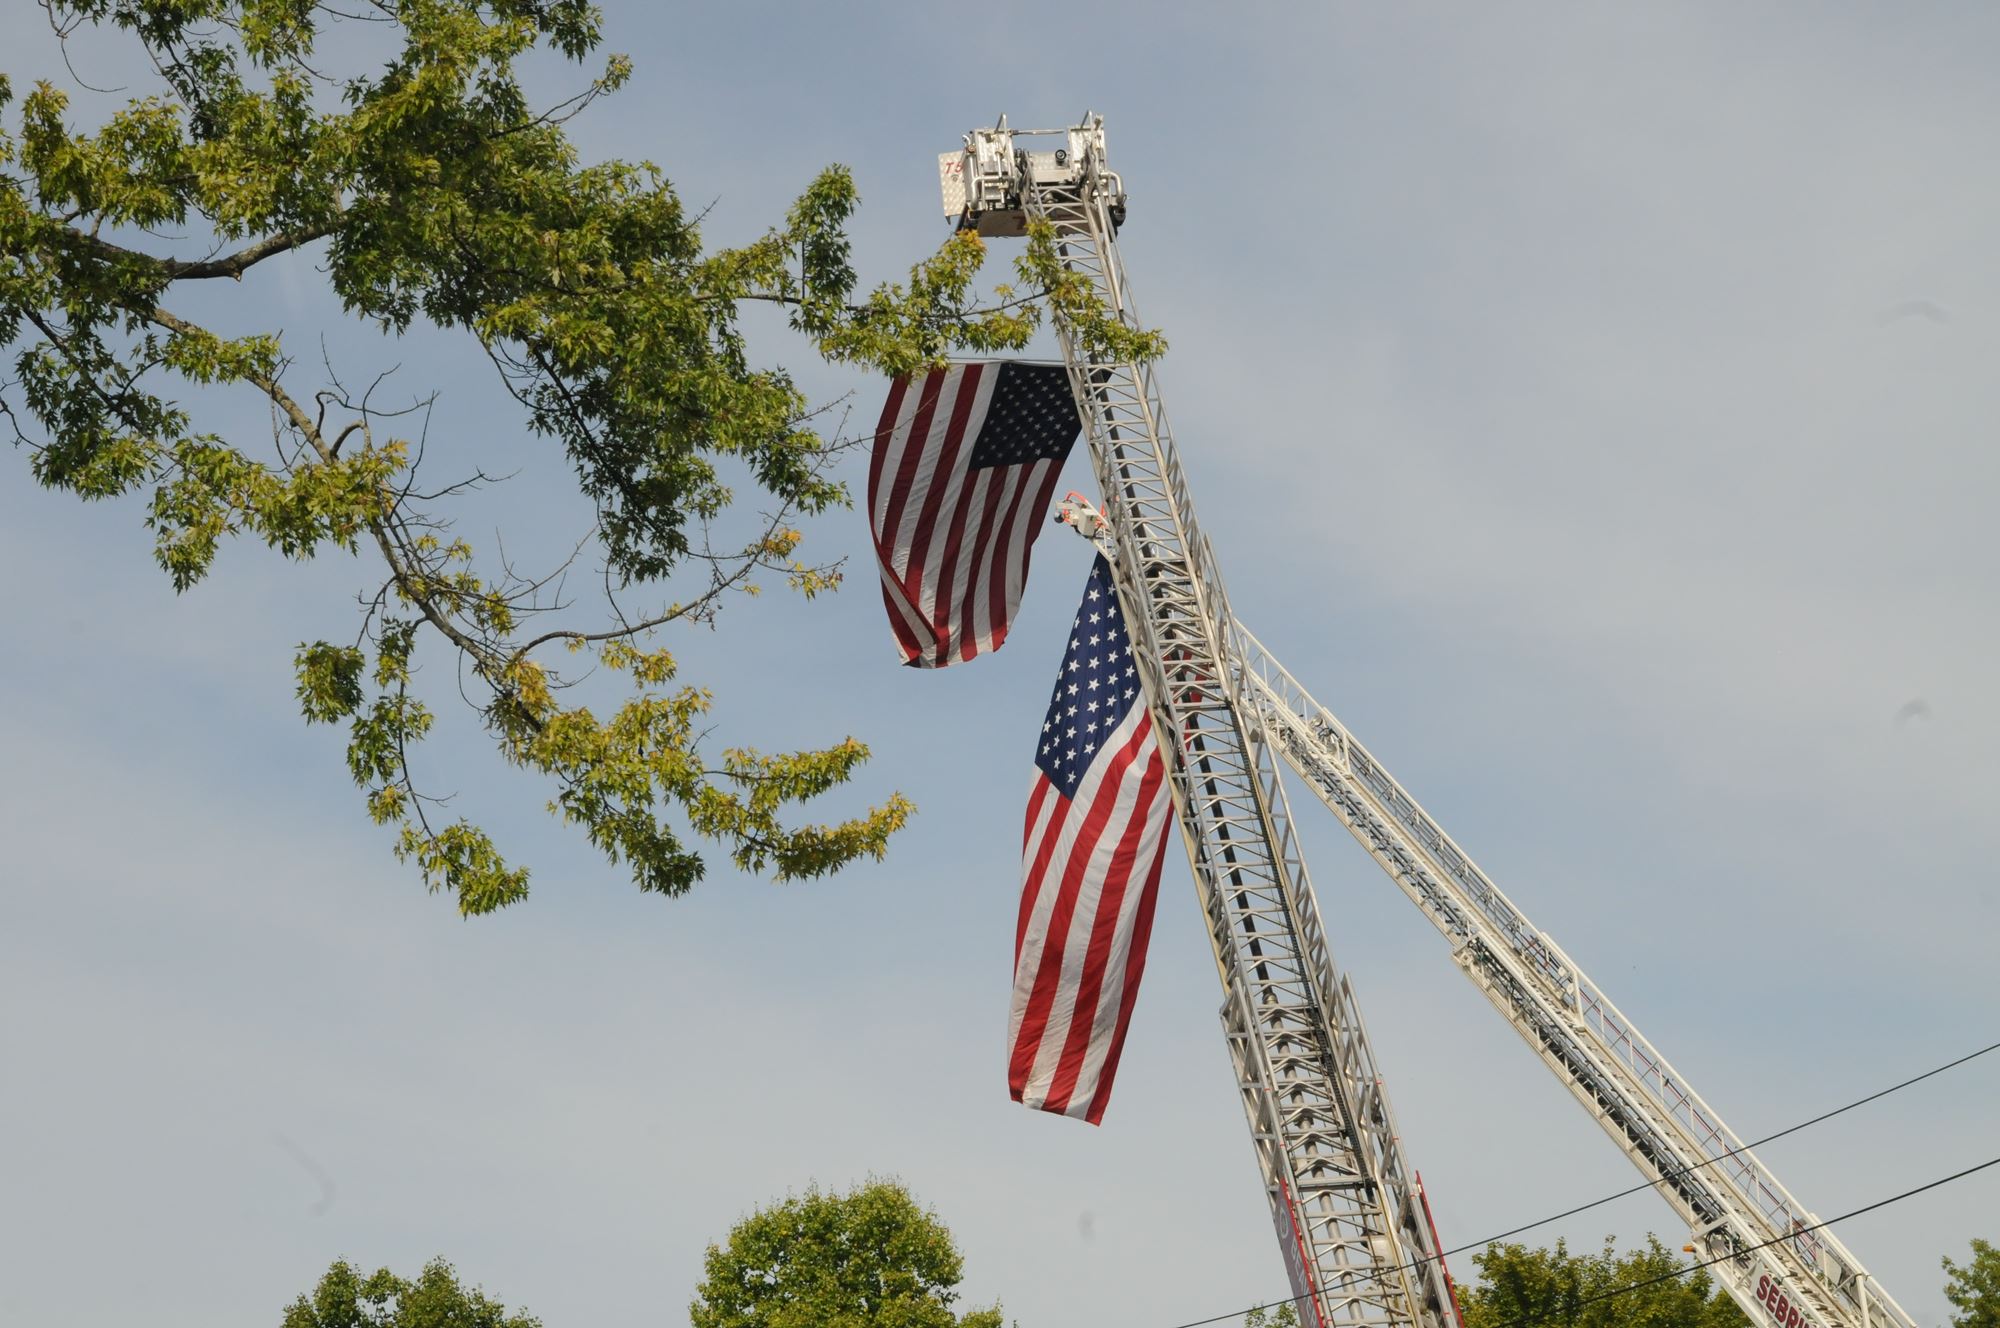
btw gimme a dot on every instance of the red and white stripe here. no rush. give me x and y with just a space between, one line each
952 542
1091 874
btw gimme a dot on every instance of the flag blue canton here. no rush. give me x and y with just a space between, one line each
1098 685
1032 417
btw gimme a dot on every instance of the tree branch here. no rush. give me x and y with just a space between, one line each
775 297
232 266
383 530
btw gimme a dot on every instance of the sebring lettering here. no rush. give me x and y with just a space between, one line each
1784 1310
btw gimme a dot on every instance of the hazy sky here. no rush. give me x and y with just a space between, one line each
1594 405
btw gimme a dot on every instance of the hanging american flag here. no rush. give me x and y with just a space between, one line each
1098 815
966 460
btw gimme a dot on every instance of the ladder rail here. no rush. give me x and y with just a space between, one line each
1698 1163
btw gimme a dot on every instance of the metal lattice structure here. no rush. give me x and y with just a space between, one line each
1350 1219
1731 1202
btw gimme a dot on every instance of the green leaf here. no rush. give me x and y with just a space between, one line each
432 193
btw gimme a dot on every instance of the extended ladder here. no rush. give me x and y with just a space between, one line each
1356 1239
1770 1257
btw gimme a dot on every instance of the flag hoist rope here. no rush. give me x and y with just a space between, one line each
1350 1222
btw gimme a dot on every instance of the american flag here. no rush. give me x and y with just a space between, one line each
966 460
1098 815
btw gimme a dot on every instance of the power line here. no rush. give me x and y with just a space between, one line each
1683 1171
1720 1157
1678 1272
1775 1240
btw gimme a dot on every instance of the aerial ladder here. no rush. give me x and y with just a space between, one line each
1356 1240
1351 1219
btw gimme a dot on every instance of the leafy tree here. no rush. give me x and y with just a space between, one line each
433 193
346 1299
1518 1285
1283 1315
868 1258
1973 1288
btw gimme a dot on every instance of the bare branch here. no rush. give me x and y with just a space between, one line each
232 265
386 533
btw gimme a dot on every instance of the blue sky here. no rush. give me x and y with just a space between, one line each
1593 405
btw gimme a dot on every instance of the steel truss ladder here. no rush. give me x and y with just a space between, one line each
1770 1256
1356 1239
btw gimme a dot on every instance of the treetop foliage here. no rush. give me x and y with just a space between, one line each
866 1258
1520 1285
1973 1287
345 1298
432 191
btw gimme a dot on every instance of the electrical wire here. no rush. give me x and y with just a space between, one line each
1761 1245
1665 1277
1683 1171
1720 1157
